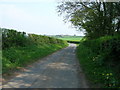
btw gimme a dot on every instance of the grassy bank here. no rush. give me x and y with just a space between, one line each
20 56
100 61
20 49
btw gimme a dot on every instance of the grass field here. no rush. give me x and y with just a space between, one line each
71 38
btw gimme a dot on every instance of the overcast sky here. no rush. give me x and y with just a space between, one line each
34 16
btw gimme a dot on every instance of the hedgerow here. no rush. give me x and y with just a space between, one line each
100 59
19 48
12 38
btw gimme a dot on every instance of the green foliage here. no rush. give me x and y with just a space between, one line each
100 59
20 56
20 49
96 19
12 38
99 53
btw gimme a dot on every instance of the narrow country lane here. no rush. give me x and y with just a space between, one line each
59 70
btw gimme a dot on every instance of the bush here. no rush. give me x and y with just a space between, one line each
20 49
12 38
101 60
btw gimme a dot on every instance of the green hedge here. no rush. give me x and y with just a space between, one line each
20 49
108 46
100 59
12 38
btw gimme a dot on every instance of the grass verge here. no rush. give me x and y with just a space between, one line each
20 56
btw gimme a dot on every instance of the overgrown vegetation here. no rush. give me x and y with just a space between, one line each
96 19
99 51
100 60
20 49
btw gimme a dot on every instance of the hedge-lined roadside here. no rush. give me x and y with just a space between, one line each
20 49
12 38
100 60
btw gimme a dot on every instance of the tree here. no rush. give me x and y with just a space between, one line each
96 18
